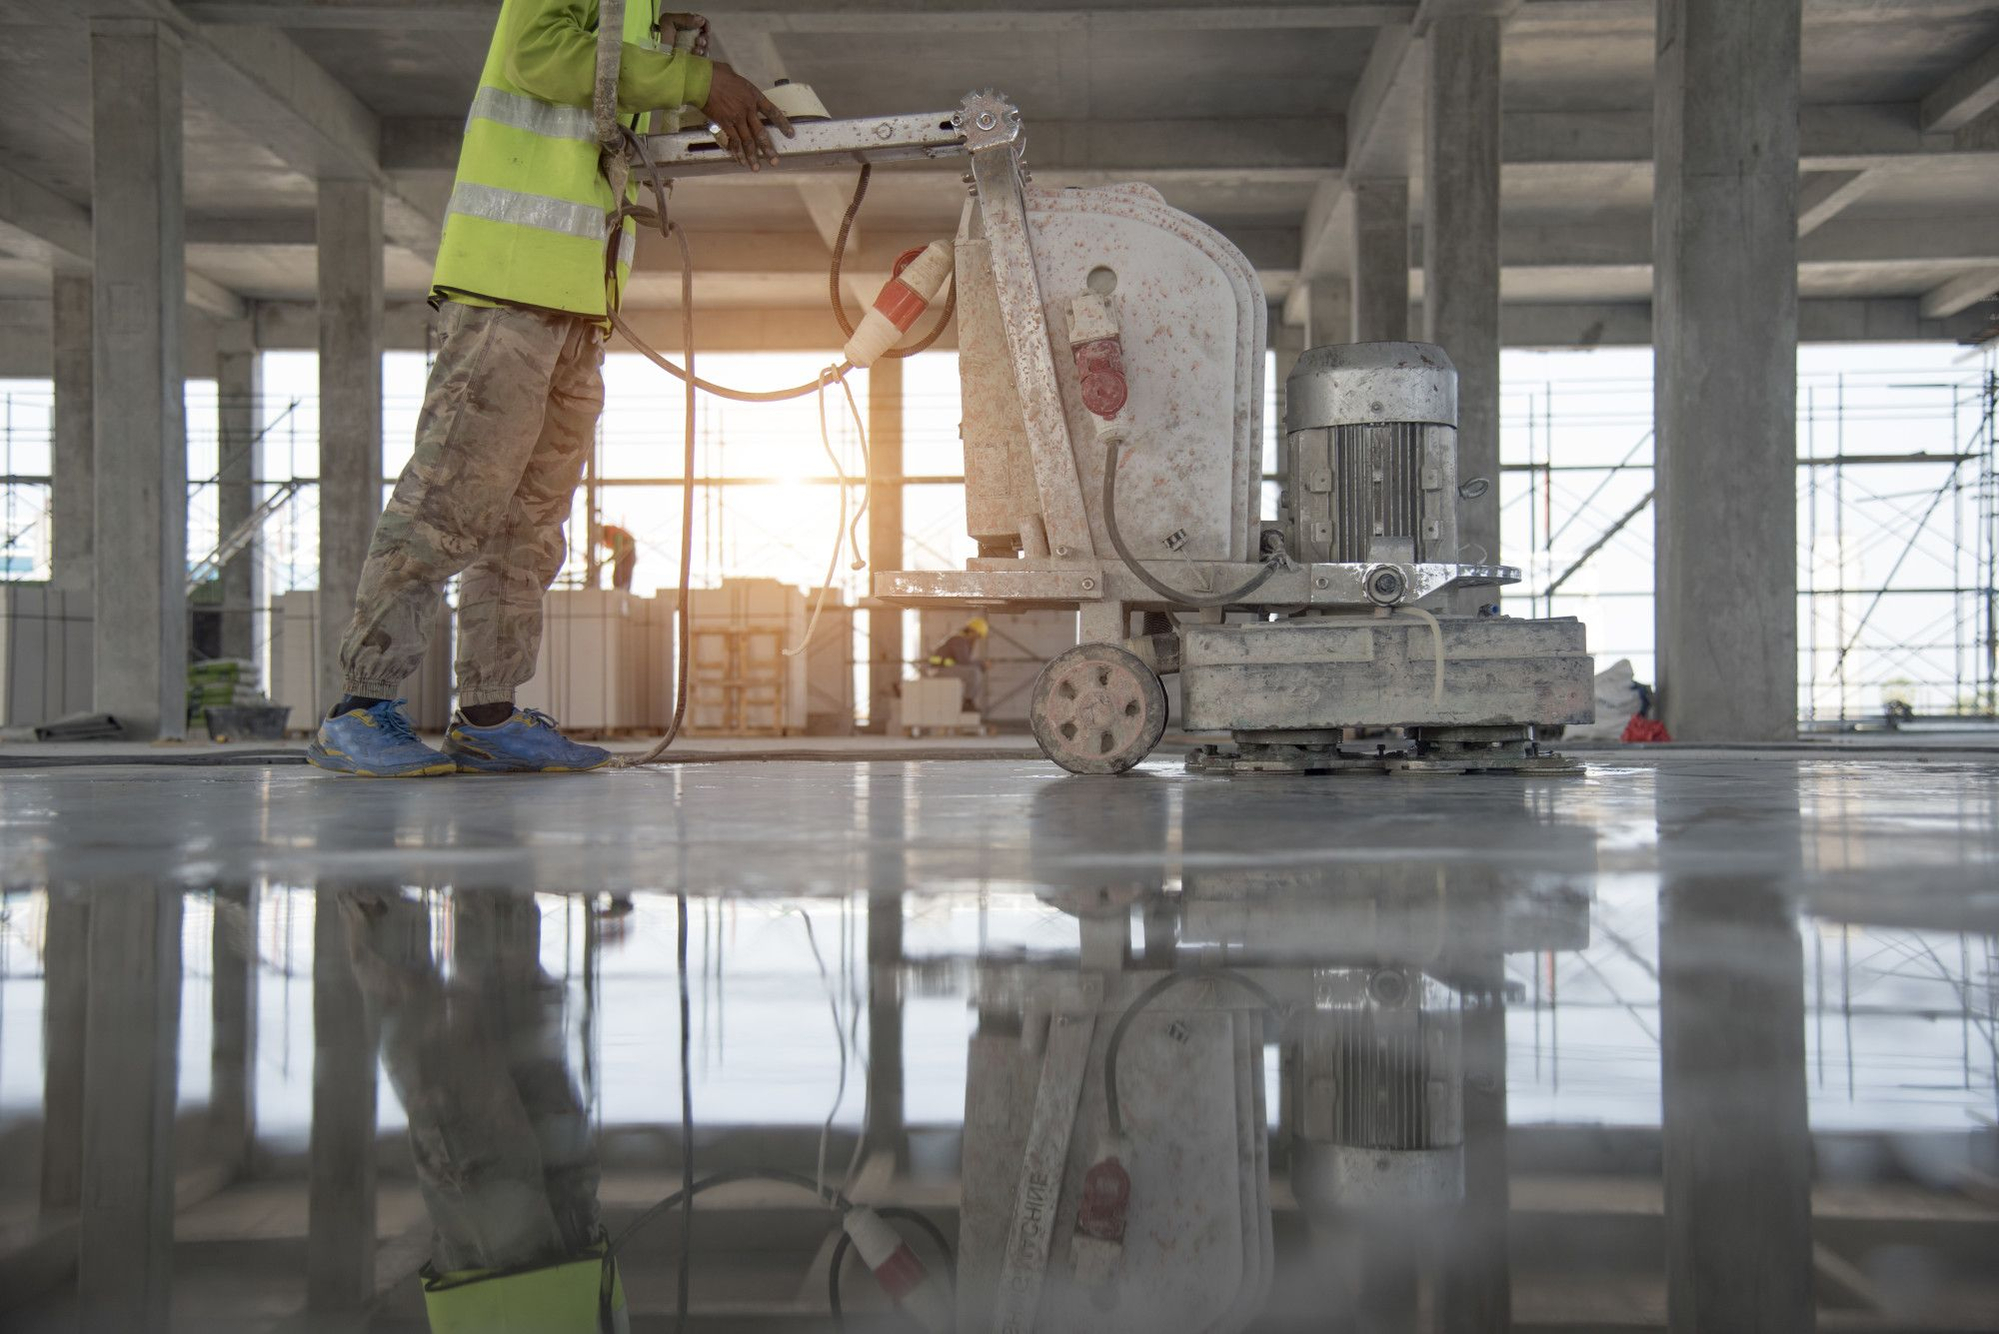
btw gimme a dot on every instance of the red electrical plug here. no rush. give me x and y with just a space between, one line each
921 1295
1099 1241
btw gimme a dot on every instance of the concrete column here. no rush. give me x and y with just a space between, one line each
340 1207
350 406
124 1265
232 1081
1328 311
237 392
884 532
1725 333
65 1001
138 419
1380 261
1461 254
73 480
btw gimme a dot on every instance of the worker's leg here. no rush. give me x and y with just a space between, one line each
482 418
499 618
621 573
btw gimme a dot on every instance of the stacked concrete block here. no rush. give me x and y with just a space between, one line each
45 653
296 629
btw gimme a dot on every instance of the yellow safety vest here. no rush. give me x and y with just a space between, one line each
529 208
561 1298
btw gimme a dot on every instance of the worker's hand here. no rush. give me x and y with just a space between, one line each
737 112
680 23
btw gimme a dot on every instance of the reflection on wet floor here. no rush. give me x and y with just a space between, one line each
1712 1033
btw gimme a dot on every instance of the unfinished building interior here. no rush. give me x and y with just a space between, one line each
1265 667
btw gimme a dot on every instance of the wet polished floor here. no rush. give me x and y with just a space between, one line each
1707 1030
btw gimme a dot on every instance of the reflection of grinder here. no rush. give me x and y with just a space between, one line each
1373 1093
1116 1163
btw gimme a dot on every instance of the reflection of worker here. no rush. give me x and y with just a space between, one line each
501 1141
514 397
956 657
624 549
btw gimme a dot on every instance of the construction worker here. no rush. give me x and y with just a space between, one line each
514 397
954 657
624 549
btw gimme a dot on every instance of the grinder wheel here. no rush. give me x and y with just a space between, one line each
1097 709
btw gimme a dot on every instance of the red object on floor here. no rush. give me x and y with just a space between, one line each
1641 730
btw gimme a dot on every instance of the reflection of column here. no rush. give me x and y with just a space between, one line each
1732 1083
340 1213
124 1269
233 1006
65 996
886 877
1475 1291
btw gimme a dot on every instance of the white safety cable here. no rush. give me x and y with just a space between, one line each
867 474
839 1036
1436 644
839 533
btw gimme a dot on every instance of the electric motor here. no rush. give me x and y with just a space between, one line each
1371 455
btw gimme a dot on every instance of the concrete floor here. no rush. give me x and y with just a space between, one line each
1742 994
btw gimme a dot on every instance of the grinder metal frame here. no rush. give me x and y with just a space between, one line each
1117 671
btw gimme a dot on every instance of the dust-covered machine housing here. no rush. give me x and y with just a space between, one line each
1111 352
1111 358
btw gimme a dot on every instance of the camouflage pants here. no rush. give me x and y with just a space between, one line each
507 423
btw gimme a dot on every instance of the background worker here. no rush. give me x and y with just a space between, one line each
514 397
624 549
955 657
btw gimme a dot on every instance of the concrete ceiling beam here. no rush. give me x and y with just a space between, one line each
1967 93
1297 147
1823 195
40 225
864 16
1627 243
1820 320
1382 118
1960 293
734 254
260 79
1836 137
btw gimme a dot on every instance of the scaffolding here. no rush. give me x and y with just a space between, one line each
1898 532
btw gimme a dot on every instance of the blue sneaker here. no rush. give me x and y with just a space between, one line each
527 743
375 743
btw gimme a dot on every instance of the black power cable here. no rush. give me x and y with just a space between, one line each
1113 1108
1145 576
846 1242
839 256
686 1100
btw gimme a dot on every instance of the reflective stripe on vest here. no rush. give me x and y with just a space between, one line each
529 208
533 115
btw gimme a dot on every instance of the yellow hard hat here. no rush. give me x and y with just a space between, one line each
977 625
